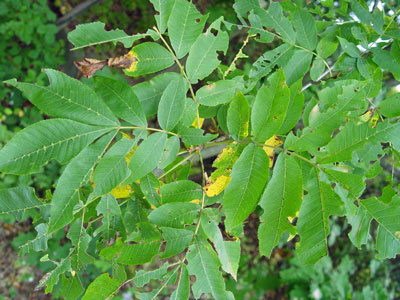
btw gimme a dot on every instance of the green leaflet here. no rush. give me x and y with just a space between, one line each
17 200
180 191
277 56
349 48
319 131
203 56
102 288
112 168
153 295
170 152
147 156
39 243
387 217
238 117
108 207
385 60
138 254
172 104
269 109
317 68
194 136
281 199
121 99
149 92
273 17
80 239
228 251
184 26
327 45
204 264
177 241
242 7
75 175
72 287
313 223
390 107
51 278
219 92
249 176
151 58
354 137
306 31
90 34
182 291
164 7
149 185
297 66
67 98
143 277
174 215
295 108
34 146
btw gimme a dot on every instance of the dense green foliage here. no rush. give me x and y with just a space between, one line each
302 152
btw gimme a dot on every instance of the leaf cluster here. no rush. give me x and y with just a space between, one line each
302 152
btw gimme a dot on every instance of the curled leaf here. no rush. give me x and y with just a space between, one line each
89 66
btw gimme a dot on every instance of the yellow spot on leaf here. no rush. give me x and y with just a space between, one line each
196 201
195 124
272 142
152 206
365 117
133 66
126 135
397 234
218 186
129 155
122 191
291 218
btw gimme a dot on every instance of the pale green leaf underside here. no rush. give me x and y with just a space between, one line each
90 34
34 146
68 98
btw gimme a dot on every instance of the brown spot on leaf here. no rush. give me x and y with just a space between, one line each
89 66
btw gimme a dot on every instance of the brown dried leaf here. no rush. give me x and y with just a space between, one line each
124 61
89 66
